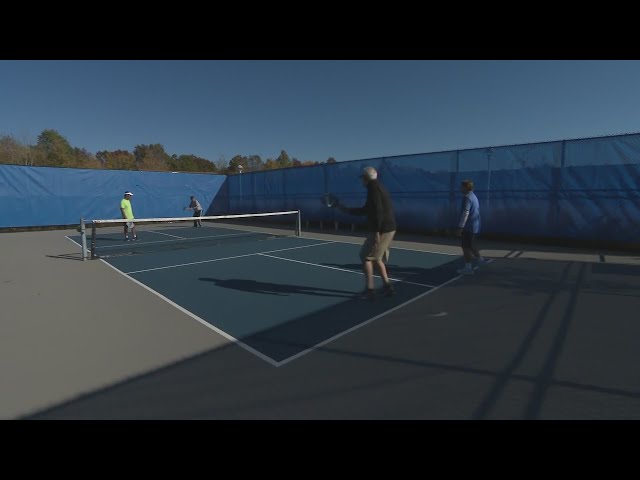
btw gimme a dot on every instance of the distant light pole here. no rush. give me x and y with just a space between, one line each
240 168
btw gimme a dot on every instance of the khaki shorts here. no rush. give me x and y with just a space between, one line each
376 251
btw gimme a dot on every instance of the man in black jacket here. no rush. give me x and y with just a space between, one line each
382 228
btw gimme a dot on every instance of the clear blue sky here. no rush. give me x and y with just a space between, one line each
317 109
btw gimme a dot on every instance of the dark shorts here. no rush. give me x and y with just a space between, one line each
468 240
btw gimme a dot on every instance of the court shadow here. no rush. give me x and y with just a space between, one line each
430 275
278 289
382 365
67 256
616 269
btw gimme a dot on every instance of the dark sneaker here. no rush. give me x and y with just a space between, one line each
368 294
388 290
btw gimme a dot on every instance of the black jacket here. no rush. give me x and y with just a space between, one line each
378 209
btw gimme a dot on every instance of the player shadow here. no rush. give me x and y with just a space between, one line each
435 275
277 289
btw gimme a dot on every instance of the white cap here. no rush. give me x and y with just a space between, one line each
369 173
128 193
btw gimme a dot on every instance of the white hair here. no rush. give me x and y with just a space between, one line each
369 173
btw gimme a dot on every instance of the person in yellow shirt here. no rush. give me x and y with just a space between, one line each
127 213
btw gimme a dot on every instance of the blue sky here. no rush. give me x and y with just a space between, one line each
317 109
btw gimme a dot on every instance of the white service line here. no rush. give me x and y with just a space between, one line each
308 350
198 319
162 233
304 235
343 270
138 242
225 258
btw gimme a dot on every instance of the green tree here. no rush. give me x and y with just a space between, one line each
151 157
254 163
191 163
331 160
81 158
236 162
117 160
54 150
283 160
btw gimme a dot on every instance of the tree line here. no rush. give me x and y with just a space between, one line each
53 150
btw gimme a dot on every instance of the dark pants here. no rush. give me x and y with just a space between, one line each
469 248
468 240
197 213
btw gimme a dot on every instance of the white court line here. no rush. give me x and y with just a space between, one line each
343 270
226 258
162 233
72 240
138 242
198 319
392 248
81 252
308 350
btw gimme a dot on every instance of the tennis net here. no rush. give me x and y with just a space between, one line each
106 238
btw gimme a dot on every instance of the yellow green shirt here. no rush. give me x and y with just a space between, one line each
126 206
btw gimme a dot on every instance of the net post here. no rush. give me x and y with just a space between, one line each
83 237
93 242
299 225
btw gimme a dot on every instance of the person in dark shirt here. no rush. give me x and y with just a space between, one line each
382 228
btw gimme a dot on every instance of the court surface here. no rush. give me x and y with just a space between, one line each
277 297
272 328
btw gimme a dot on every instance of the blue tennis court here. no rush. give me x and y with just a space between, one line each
277 297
